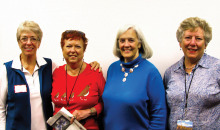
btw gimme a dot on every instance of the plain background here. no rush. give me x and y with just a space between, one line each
100 20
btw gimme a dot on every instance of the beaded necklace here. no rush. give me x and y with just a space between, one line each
125 73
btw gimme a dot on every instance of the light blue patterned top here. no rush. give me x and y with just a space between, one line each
203 104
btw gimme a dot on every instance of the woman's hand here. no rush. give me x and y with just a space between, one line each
80 115
95 65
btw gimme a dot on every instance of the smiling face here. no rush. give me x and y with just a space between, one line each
73 51
129 45
28 43
193 44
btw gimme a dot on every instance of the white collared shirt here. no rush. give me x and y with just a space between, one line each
37 118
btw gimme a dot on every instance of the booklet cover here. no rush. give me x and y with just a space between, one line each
61 121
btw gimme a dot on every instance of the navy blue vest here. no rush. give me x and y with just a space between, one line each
19 110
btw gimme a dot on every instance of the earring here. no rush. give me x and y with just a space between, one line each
63 58
180 48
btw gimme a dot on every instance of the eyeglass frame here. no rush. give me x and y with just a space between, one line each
32 39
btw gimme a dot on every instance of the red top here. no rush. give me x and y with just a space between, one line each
86 93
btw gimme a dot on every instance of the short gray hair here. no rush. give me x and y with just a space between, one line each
192 23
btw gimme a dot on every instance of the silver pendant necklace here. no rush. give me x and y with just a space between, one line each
125 73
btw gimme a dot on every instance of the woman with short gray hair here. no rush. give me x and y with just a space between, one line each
193 83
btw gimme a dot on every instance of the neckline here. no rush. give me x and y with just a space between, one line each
131 64
64 66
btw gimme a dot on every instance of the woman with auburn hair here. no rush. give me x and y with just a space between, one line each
75 86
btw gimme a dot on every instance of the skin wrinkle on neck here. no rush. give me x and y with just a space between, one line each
28 63
74 71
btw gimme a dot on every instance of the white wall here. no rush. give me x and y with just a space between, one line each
100 20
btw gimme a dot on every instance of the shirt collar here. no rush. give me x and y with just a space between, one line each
202 63
179 65
17 63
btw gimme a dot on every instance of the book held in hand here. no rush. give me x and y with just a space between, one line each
61 121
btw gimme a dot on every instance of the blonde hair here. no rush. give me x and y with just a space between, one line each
29 26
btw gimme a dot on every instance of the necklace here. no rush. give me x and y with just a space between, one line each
126 74
73 84
190 67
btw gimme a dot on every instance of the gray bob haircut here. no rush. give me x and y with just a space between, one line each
192 23
29 26
145 49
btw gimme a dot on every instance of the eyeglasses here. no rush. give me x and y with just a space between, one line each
32 39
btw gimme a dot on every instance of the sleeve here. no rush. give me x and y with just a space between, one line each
54 66
101 85
165 78
54 83
157 103
3 96
218 73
